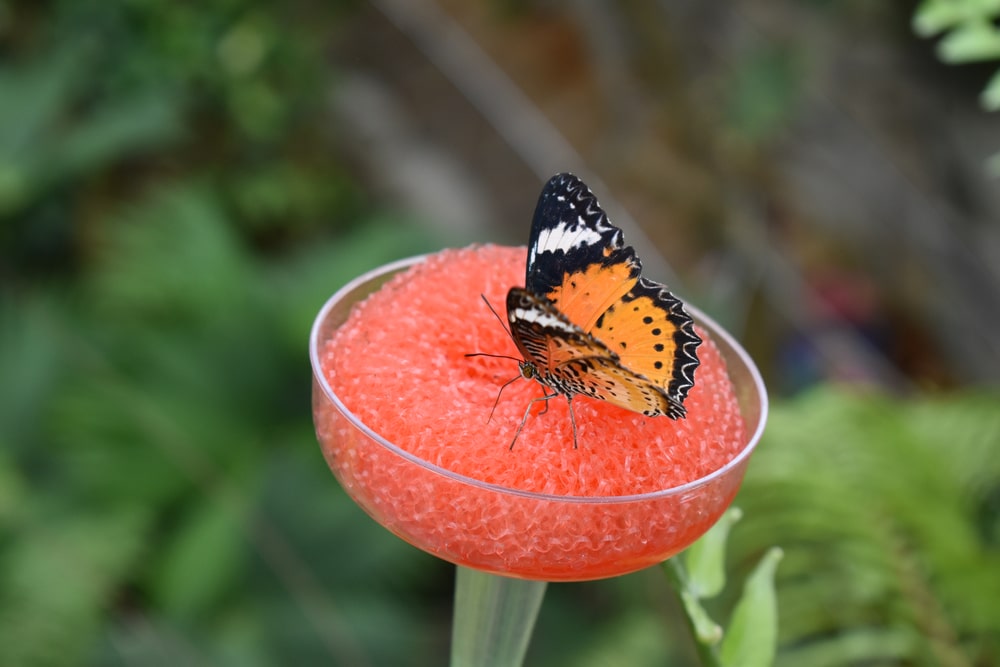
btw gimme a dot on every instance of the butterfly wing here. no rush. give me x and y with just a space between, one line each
653 337
546 337
576 258
609 381
570 361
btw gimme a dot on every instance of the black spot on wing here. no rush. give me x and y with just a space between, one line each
686 341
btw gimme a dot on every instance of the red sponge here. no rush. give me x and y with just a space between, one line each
399 365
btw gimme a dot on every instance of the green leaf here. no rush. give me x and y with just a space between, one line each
706 631
705 560
970 42
932 17
990 98
935 16
752 636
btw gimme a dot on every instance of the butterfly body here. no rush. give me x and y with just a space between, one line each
586 322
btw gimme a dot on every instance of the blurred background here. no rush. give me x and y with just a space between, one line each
182 185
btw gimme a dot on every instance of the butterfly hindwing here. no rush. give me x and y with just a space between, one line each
653 337
574 362
609 381
545 336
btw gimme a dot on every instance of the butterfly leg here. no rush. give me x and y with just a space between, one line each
572 417
499 394
527 412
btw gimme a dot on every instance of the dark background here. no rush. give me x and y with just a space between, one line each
182 185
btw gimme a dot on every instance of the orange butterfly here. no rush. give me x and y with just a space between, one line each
587 323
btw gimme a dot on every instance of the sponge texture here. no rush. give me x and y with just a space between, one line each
399 365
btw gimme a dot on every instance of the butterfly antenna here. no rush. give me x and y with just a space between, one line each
494 356
496 315
506 330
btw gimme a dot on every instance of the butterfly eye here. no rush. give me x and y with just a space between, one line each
528 370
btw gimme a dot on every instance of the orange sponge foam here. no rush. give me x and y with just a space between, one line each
399 365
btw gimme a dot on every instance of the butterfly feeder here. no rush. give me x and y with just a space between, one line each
662 410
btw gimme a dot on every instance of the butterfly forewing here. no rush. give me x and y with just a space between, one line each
544 335
576 258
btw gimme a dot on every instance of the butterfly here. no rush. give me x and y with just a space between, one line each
586 322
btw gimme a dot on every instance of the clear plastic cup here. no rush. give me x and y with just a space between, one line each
511 532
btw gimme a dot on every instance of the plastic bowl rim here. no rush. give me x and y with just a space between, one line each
716 331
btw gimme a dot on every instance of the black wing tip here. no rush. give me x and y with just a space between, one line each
565 179
567 184
567 202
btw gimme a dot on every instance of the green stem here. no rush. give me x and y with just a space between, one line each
677 577
493 618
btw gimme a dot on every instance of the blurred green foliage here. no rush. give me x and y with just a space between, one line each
698 574
762 92
969 33
102 101
887 511
173 213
